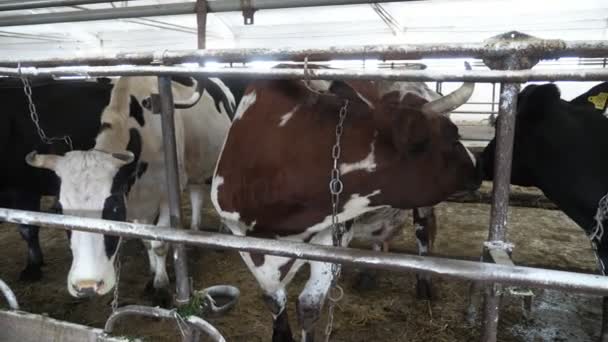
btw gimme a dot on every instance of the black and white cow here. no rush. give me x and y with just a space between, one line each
560 147
64 107
122 176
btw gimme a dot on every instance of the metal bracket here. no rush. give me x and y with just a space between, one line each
248 12
152 103
500 252
518 58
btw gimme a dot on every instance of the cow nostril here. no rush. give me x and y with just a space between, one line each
87 288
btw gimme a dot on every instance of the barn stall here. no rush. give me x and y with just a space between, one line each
391 310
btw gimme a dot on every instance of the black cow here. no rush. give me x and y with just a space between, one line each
70 108
561 147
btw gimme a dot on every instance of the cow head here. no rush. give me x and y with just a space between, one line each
422 130
96 189
533 104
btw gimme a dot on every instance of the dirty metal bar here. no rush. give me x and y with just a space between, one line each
9 295
201 23
543 49
163 10
173 187
466 270
323 74
35 4
505 132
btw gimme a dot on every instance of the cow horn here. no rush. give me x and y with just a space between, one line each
193 100
124 158
45 161
453 100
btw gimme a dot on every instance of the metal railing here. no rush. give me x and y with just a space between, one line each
511 52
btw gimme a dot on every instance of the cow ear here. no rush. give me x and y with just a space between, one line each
536 100
43 161
123 158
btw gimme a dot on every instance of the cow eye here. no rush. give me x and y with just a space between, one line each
147 103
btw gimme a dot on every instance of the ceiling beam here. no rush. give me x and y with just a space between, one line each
166 9
34 4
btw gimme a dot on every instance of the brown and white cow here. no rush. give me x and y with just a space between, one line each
273 174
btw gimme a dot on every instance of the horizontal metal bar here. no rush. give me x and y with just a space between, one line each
160 10
467 270
322 74
32 4
544 49
26 327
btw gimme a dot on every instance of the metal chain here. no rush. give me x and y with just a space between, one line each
597 234
27 89
337 229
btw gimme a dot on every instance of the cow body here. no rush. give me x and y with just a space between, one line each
559 147
273 174
123 176
71 108
204 136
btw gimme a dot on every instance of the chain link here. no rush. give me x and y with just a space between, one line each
27 89
337 229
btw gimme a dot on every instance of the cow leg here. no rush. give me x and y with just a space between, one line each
196 201
310 302
312 297
157 254
29 233
426 227
274 274
367 279
276 303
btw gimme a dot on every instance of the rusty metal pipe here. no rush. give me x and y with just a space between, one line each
515 76
173 186
543 49
465 270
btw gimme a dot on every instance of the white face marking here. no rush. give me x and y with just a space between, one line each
367 164
288 116
606 112
247 101
86 181
90 264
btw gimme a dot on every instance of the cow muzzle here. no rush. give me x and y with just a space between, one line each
88 288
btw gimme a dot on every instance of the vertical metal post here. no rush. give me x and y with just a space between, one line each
201 22
169 145
505 130
493 116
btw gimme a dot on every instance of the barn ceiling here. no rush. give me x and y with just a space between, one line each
431 21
